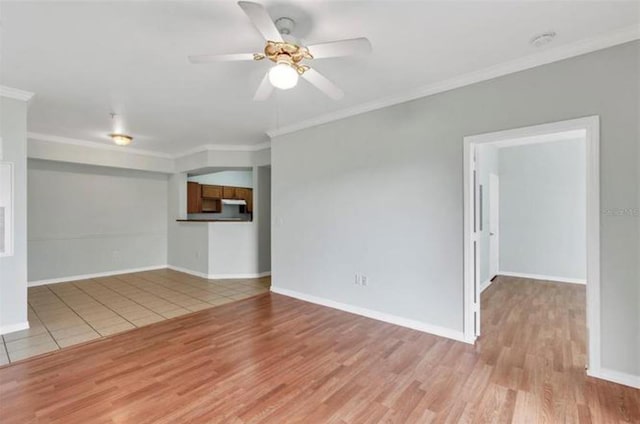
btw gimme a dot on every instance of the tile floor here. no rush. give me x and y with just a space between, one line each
65 314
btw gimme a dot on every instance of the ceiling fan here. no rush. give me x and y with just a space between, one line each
288 54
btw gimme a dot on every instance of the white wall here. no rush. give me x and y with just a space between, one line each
87 219
13 269
242 178
336 189
543 210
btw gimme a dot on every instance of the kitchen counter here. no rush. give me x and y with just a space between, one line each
215 247
213 220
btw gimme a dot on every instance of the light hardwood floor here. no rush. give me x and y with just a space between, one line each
279 360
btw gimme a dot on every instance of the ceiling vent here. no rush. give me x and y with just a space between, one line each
543 39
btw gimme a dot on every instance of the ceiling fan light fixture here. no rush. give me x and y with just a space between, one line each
283 76
121 139
288 53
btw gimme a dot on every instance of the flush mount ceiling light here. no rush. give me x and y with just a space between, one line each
121 139
543 39
118 135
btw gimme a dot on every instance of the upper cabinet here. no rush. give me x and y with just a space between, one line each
229 192
194 198
212 191
249 207
204 198
245 194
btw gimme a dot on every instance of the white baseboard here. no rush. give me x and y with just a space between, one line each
234 276
188 271
96 275
218 276
11 328
485 285
148 268
380 316
615 377
553 278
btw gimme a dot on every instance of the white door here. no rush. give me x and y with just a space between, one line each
477 228
494 224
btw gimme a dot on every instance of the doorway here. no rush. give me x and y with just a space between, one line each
479 190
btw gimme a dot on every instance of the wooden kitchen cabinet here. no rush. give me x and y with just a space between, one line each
212 191
249 200
229 193
211 205
205 198
245 194
194 198
241 193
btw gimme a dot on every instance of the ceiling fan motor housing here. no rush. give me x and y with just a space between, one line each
289 53
285 25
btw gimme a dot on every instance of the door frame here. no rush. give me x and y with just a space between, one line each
589 127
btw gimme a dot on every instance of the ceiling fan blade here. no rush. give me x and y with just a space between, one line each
261 20
351 47
264 89
213 58
323 84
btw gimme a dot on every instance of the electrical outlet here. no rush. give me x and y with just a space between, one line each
361 280
197 254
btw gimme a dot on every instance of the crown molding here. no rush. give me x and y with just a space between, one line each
15 93
531 61
130 150
225 148
95 145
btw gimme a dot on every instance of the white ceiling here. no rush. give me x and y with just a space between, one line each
84 60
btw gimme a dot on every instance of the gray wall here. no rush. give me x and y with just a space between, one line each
13 269
104 155
233 249
222 249
87 219
336 189
543 209
188 246
264 218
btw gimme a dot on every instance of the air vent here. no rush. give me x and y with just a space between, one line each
543 39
